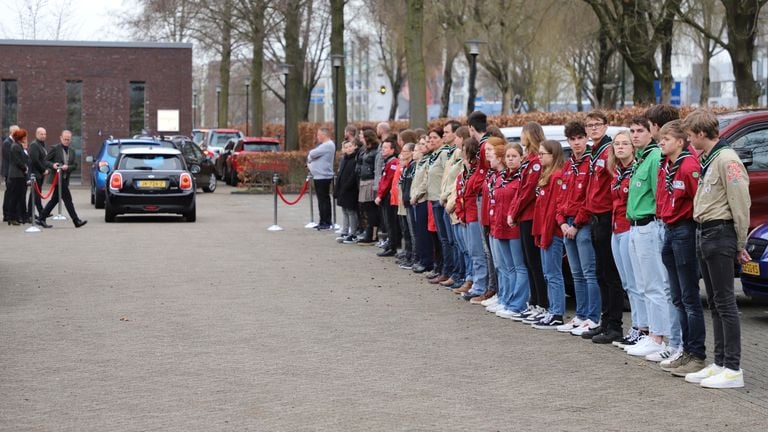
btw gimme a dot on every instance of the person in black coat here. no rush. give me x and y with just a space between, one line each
6 163
62 156
40 167
18 172
346 192
366 167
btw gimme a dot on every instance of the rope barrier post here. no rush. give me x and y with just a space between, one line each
60 216
311 223
275 182
33 228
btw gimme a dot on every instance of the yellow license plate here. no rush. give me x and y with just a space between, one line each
151 184
751 268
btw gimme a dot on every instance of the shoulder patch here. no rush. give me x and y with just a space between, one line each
600 163
536 167
559 181
695 174
733 171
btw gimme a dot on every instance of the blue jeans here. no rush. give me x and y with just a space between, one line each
462 263
552 263
512 288
581 259
476 252
620 248
420 232
679 256
445 235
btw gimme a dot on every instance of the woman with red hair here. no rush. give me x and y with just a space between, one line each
17 178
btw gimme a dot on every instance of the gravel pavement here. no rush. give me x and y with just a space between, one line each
153 324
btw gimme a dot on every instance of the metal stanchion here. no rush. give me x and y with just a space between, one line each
275 183
333 194
60 216
311 223
33 228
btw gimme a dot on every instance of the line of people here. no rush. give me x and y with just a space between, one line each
642 213
21 162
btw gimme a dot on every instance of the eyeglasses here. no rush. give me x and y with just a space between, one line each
594 125
541 153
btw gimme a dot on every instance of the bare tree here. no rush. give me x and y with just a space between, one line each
451 17
164 20
39 19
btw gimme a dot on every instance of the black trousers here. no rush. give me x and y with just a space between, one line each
716 250
532 258
6 200
38 201
16 198
66 197
323 191
611 290
371 211
394 236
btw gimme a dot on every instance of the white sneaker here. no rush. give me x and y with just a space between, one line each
491 301
644 339
495 308
664 354
709 371
505 313
536 316
649 347
728 378
666 362
570 325
587 324
528 310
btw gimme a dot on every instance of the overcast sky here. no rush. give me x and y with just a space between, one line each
83 19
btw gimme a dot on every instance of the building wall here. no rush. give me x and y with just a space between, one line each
106 70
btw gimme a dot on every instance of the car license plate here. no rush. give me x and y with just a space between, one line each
151 184
751 268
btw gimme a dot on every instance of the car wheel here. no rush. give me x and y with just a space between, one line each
93 199
191 215
211 186
109 215
233 178
99 200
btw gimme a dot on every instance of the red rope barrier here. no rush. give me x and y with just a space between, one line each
301 194
50 192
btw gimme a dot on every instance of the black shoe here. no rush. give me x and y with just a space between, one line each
41 222
365 241
418 268
387 253
548 322
407 265
79 223
607 336
467 296
589 334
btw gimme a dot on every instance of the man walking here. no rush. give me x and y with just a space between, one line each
40 167
61 156
721 211
320 163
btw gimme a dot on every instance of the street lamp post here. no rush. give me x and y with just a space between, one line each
247 102
337 60
194 110
473 45
285 69
218 104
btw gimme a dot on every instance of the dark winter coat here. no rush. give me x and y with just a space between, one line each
346 183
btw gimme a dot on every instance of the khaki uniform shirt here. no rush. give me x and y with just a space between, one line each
453 168
419 184
437 164
723 193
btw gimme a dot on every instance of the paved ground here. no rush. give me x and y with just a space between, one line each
221 325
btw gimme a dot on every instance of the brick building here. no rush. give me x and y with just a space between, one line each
95 89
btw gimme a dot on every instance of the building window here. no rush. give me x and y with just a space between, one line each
137 108
75 116
9 93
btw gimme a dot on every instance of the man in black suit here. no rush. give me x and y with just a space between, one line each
61 156
5 167
39 165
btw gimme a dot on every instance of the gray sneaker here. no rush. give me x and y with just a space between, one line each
692 365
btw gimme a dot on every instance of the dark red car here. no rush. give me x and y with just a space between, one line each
747 133
244 145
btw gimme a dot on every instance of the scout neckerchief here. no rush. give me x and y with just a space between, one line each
707 160
602 146
669 172
644 154
407 173
444 148
621 174
575 164
494 175
484 138
465 175
523 166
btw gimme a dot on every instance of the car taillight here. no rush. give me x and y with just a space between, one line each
185 181
116 181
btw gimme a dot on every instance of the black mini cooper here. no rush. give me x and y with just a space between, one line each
150 180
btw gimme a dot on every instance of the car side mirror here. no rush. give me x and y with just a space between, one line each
745 155
194 169
104 168
89 159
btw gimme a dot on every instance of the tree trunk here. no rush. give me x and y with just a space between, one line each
506 100
705 59
295 84
225 64
256 96
579 93
397 85
666 61
642 72
445 97
340 90
472 93
741 17
603 60
417 82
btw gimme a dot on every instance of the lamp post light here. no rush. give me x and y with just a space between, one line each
285 69
218 104
473 46
247 103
